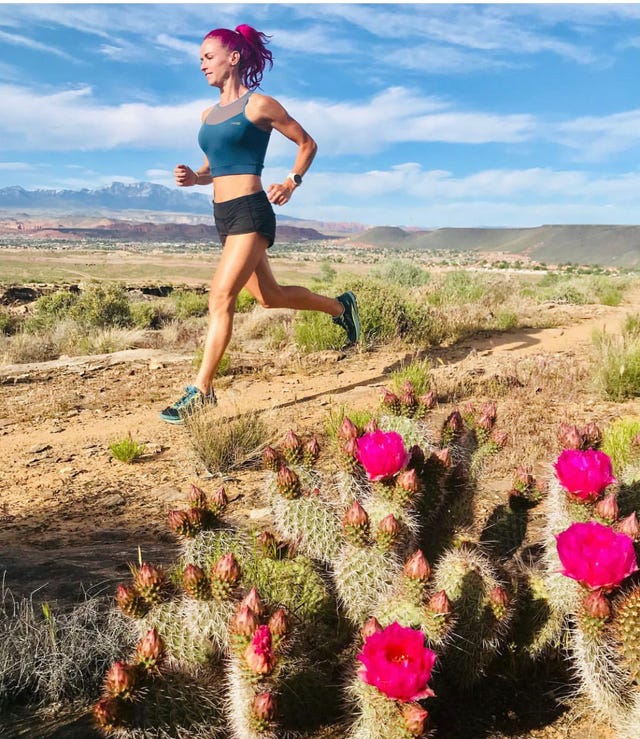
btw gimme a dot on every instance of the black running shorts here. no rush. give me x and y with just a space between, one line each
247 214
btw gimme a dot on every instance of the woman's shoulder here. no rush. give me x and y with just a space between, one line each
206 112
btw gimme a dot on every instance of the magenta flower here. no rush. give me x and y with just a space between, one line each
584 473
396 662
382 454
595 555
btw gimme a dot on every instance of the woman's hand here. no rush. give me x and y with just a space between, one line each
280 194
185 176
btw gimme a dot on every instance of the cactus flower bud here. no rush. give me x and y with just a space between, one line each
350 446
417 567
429 400
197 519
499 601
227 569
499 438
371 426
107 713
416 458
388 530
279 622
195 583
311 450
150 582
218 501
259 654
408 481
271 459
264 706
591 435
569 436
372 626
348 429
288 483
439 603
523 481
292 447
630 526
356 524
454 423
245 621
130 602
443 456
597 606
414 717
391 401
150 650
197 497
267 544
179 523
253 600
607 508
121 680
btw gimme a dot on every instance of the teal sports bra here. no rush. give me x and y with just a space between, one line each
231 142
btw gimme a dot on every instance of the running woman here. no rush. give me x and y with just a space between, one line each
234 137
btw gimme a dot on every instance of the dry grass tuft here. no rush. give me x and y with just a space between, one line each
225 444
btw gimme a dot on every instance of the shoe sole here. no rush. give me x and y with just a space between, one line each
175 421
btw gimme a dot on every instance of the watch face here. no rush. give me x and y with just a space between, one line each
297 179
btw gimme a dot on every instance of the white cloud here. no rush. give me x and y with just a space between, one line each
18 166
77 121
595 137
29 43
189 49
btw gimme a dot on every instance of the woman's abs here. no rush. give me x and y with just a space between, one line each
228 187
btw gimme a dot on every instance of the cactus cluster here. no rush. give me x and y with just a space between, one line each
372 580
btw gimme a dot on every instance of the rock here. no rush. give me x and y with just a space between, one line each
170 494
39 448
113 501
259 513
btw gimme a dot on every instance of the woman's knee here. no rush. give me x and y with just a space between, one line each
221 301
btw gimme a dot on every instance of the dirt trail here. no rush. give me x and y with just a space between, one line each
72 516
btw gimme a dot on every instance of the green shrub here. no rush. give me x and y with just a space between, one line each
617 440
9 322
189 303
390 312
314 331
616 365
127 450
457 288
401 272
418 373
102 306
506 319
245 301
49 309
631 325
146 315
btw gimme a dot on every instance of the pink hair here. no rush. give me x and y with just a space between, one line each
254 54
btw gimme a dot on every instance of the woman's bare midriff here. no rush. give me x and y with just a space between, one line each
233 186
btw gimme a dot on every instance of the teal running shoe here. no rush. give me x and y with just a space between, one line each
349 320
192 400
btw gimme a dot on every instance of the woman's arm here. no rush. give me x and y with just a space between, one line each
187 177
269 111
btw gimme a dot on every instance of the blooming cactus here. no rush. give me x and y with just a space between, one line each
595 555
382 454
584 473
396 662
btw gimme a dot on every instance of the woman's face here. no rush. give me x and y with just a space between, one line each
217 62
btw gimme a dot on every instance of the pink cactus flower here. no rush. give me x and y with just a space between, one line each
396 662
584 473
382 454
259 652
595 555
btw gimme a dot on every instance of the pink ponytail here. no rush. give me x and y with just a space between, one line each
254 54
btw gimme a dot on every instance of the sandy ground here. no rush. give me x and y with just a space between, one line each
71 516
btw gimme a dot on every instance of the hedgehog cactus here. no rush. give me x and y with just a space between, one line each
291 448
224 576
288 483
130 601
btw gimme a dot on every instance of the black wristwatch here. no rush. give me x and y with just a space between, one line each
295 178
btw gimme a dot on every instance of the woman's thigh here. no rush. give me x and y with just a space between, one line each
241 254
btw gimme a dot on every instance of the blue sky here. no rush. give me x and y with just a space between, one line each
426 115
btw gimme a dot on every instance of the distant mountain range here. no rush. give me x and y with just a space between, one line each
617 246
140 196
148 212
